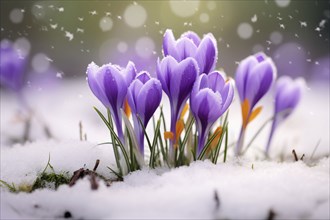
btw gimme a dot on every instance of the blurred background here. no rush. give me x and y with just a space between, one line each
61 38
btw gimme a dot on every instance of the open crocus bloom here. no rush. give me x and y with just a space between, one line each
144 96
11 66
254 77
109 84
204 51
287 96
210 98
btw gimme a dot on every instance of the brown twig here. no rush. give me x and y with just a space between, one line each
96 165
217 200
295 155
271 215
302 157
80 131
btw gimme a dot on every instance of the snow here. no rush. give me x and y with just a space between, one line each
247 188
291 190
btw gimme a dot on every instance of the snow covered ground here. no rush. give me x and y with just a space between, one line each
246 188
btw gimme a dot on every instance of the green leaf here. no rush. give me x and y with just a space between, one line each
164 127
153 147
185 138
115 145
120 177
225 129
116 138
11 188
208 144
135 148
226 147
145 132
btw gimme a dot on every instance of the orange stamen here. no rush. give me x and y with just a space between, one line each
245 112
255 113
168 135
215 141
178 129
127 109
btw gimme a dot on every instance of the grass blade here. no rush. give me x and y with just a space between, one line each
217 150
153 147
185 138
208 144
120 177
144 131
226 147
116 138
134 141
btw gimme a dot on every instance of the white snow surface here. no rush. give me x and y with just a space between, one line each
247 187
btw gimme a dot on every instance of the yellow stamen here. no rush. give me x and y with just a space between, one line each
245 112
127 109
255 113
184 111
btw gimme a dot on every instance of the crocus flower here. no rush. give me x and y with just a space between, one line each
177 79
109 83
204 51
209 99
287 97
144 96
254 77
12 66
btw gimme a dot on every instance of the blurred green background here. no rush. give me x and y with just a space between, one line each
63 37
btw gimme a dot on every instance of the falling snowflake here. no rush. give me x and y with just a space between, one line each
53 26
254 18
322 23
69 35
59 75
80 30
93 12
303 23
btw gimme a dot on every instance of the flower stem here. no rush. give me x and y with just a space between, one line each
117 118
240 142
139 134
272 131
171 156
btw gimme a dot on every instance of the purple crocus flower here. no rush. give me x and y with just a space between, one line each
144 96
109 83
12 66
254 76
287 97
177 79
209 99
189 44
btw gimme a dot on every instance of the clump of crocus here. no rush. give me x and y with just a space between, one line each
287 96
144 96
110 83
254 77
177 79
12 66
210 98
204 50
